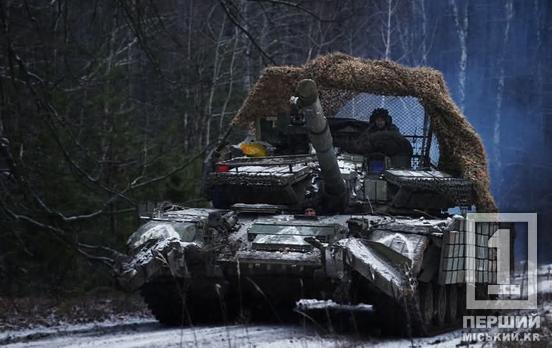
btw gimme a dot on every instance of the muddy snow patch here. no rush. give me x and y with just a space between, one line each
310 304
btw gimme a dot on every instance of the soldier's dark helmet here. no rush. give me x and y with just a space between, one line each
380 112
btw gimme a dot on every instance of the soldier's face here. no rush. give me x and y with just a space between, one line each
380 122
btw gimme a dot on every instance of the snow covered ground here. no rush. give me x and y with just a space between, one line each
140 332
131 332
147 333
134 331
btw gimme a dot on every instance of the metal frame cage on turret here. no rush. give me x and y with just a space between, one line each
407 114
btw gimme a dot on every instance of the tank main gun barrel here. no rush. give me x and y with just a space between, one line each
321 139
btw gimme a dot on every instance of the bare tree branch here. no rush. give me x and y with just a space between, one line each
246 32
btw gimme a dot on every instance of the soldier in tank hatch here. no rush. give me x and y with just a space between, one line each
380 120
384 137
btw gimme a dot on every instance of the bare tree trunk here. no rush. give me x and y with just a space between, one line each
351 41
462 25
230 79
187 91
423 23
386 37
539 71
500 88
214 80
247 76
109 120
388 30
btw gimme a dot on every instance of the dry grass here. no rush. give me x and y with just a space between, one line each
98 305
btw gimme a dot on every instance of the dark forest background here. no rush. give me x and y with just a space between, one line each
108 104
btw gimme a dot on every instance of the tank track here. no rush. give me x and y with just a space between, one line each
173 304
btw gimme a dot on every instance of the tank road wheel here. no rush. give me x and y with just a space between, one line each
440 295
172 306
410 315
462 306
164 302
426 303
452 303
392 317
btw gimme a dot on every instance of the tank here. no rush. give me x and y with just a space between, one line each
334 212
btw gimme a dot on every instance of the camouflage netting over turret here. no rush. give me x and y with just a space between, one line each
340 77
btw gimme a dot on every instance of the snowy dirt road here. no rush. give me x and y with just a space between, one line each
134 332
147 333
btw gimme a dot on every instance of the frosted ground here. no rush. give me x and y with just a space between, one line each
146 332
